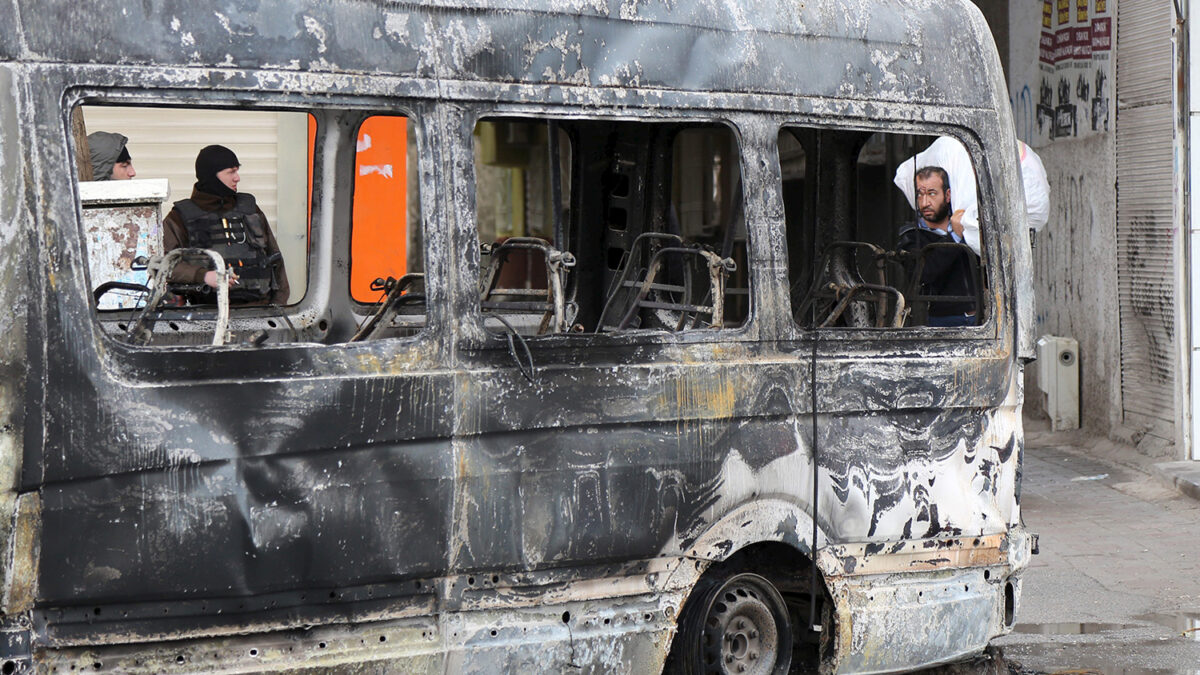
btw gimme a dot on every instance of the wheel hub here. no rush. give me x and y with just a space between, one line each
743 627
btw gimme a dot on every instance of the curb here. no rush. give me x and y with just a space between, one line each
1183 476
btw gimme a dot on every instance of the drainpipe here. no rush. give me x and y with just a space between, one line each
1186 99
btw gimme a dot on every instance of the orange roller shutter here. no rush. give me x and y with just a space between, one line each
379 236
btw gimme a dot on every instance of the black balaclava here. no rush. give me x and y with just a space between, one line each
209 162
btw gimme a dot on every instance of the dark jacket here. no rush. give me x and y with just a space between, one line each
946 270
175 235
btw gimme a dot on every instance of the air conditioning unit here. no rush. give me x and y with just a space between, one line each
1058 378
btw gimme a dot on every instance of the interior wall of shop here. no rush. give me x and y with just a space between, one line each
1075 256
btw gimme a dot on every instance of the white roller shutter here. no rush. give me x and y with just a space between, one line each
1145 216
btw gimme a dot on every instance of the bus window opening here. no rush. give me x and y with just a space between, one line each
602 227
876 236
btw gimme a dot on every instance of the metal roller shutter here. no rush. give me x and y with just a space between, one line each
1145 221
164 144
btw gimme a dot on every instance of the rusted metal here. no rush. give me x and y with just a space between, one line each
905 556
400 292
159 269
22 556
410 501
122 221
83 162
552 300
717 268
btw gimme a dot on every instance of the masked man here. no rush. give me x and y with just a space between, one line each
220 218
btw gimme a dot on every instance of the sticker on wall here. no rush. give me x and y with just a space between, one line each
1074 71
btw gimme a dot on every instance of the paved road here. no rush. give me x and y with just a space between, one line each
1116 588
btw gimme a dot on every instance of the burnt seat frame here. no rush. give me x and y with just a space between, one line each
637 288
399 294
550 301
917 299
842 294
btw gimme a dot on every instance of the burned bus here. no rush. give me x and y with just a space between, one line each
608 361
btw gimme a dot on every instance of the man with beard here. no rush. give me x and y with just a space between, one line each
220 218
947 269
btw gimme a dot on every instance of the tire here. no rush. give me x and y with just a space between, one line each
738 624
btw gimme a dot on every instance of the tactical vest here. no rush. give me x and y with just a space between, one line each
240 236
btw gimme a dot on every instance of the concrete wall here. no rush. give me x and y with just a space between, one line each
1075 262
1075 256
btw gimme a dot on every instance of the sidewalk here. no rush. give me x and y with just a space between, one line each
1115 588
1183 476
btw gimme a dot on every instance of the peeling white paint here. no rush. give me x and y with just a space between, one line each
316 30
628 10
224 21
467 43
884 61
396 25
384 170
122 220
182 456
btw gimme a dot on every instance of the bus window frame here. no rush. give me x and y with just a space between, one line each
992 327
475 336
153 362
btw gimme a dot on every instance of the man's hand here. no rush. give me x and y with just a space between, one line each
210 278
956 222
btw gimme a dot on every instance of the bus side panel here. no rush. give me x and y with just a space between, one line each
316 519
607 465
917 448
282 480
599 462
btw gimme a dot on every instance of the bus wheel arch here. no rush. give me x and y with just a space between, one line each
759 521
758 577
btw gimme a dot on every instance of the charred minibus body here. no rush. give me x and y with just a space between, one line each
643 380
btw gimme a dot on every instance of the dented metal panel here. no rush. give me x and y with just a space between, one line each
417 502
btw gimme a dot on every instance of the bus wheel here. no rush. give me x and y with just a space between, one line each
737 625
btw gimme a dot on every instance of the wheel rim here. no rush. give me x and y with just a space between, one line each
741 633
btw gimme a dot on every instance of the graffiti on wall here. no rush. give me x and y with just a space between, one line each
1071 94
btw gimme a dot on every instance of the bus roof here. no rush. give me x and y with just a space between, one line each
918 51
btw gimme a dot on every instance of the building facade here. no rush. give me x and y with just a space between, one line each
1100 88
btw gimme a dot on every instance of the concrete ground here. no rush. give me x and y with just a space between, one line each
1116 587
